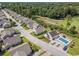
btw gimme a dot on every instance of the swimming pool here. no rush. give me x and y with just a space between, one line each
63 40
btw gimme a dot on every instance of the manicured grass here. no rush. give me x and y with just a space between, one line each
17 31
41 37
7 53
33 46
25 26
74 48
25 39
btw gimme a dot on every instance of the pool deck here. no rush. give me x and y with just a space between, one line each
55 43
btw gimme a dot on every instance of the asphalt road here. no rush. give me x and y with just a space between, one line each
42 44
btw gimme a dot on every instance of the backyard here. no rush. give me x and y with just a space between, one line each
73 49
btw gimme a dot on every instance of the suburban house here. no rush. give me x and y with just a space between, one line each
2 14
12 41
24 20
17 16
52 35
7 24
2 21
9 32
30 23
21 50
10 38
38 29
58 40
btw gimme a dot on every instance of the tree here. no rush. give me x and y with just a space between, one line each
73 30
68 21
51 10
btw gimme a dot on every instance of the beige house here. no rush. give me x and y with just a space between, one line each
21 50
38 29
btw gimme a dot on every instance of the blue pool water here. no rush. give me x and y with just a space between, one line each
63 40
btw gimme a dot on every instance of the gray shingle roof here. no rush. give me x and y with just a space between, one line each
10 41
19 53
53 33
8 33
21 49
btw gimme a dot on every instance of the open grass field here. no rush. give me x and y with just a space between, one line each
74 21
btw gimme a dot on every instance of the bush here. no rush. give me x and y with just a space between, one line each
52 27
73 30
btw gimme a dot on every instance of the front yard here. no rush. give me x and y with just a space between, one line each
41 37
7 53
25 26
33 46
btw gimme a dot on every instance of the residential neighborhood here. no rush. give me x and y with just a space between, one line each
23 34
13 42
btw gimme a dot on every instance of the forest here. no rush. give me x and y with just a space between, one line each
51 10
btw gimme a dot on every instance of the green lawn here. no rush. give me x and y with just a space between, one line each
74 21
25 26
33 46
25 39
74 50
7 53
41 37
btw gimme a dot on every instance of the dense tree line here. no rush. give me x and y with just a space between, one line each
51 10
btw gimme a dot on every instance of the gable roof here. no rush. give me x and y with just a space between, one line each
22 48
10 41
8 32
53 33
19 53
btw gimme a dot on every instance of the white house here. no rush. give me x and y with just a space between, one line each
52 35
